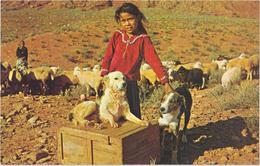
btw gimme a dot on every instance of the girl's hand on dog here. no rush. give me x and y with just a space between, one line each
167 88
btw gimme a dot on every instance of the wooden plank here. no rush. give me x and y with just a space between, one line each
144 144
86 134
75 149
124 128
106 154
60 147
128 144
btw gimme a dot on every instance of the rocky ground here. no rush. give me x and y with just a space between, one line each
64 37
29 126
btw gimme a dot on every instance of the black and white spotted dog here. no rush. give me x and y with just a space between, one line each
173 106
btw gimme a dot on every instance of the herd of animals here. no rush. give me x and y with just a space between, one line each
45 80
48 80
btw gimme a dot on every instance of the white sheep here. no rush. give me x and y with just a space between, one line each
221 63
96 68
244 64
145 66
89 79
230 77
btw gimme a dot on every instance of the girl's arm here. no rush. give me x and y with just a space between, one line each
154 61
105 64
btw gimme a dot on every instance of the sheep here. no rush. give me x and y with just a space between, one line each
151 76
172 74
96 68
192 77
230 77
64 81
145 66
255 61
242 55
185 65
89 79
221 63
41 76
86 69
244 64
16 80
143 86
167 64
5 69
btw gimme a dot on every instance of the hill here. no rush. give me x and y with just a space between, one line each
242 9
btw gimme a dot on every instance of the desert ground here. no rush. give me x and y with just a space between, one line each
224 125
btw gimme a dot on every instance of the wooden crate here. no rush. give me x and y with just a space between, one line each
128 144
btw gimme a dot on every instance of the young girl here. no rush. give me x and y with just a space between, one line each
126 50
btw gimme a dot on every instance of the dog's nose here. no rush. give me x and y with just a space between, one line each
124 84
162 109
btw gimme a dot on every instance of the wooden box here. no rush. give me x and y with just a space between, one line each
128 144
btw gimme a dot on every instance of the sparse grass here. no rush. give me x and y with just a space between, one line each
74 92
252 124
215 77
105 39
244 96
70 58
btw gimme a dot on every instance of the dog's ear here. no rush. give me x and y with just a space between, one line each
105 80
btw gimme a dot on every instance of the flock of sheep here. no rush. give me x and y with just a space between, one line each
51 80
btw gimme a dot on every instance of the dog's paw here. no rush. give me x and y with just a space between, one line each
114 125
145 123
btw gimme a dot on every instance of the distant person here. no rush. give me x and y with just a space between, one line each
22 58
126 50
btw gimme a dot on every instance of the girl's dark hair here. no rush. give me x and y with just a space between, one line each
132 9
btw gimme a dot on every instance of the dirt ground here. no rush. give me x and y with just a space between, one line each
30 124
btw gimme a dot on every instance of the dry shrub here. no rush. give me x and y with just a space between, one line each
244 96
252 124
74 92
215 77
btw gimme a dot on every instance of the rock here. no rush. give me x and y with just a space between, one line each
249 149
5 160
32 121
16 157
43 160
19 106
9 120
41 155
25 108
43 140
12 113
224 158
229 149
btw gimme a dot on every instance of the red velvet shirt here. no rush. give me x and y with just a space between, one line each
125 55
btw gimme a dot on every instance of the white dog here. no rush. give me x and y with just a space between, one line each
113 104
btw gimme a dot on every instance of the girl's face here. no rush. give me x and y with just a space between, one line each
128 22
